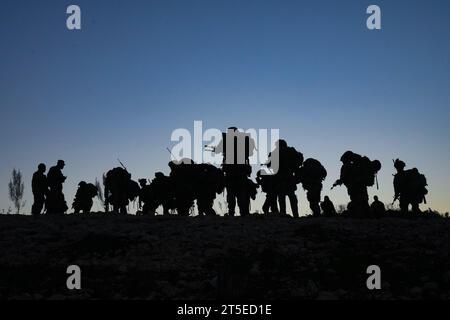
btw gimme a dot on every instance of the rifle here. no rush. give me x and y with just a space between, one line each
122 165
170 152
210 148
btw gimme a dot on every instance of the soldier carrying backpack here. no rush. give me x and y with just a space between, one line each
55 202
183 176
410 187
358 173
209 182
311 175
119 190
266 181
83 198
285 161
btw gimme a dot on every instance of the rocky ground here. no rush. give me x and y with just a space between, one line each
215 257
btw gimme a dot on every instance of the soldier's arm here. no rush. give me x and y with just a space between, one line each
219 148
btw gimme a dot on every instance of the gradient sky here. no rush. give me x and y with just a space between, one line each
140 69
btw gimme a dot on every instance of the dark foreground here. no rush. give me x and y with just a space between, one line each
207 258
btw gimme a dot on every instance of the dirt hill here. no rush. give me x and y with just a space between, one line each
215 257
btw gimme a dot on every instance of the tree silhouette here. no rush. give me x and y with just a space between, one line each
16 189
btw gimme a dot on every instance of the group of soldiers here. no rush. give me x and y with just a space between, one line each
48 190
189 183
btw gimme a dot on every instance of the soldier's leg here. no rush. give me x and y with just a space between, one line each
314 198
244 204
404 206
365 201
201 206
266 205
86 208
89 205
282 203
41 207
317 197
76 207
415 207
166 207
49 203
182 211
145 209
231 201
61 204
204 206
34 206
209 207
294 204
361 201
186 206
273 203
123 209
38 204
353 206
315 208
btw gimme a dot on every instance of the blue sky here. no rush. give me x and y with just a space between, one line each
140 69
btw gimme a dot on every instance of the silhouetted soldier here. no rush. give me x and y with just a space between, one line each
84 197
163 193
248 192
358 173
182 174
147 198
267 182
209 182
39 187
328 209
56 204
236 147
236 177
120 189
311 175
410 187
286 161
377 207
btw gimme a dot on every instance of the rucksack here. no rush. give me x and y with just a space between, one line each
133 190
91 190
314 170
293 159
415 181
367 170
